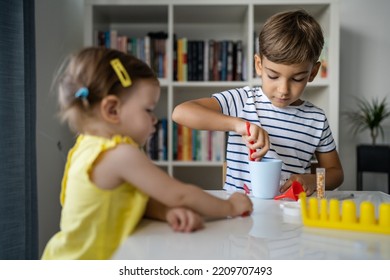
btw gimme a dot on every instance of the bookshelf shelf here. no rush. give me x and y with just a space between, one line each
205 20
196 163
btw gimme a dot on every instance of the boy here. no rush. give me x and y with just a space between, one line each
281 124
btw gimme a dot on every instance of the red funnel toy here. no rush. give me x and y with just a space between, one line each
292 193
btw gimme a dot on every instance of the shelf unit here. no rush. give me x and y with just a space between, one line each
218 20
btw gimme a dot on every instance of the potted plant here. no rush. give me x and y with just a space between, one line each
370 158
369 115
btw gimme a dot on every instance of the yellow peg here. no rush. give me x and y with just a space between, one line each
384 215
334 210
313 208
367 213
348 212
324 210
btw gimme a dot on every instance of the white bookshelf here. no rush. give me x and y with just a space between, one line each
219 20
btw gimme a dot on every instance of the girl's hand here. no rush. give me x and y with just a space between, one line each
308 182
258 139
184 220
241 204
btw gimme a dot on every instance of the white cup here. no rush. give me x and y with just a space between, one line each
265 177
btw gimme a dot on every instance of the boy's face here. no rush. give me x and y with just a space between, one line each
284 84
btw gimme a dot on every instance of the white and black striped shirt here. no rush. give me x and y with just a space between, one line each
295 133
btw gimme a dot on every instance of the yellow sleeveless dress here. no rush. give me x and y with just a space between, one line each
94 222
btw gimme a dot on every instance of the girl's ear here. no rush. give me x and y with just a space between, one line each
314 71
109 108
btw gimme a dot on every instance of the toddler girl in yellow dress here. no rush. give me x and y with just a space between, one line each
107 97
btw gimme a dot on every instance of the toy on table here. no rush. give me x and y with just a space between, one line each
320 180
315 216
292 193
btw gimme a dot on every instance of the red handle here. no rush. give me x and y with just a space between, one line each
246 189
248 125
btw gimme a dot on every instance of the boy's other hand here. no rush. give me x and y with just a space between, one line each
308 182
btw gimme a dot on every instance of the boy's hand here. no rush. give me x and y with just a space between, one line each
308 182
241 204
184 220
259 138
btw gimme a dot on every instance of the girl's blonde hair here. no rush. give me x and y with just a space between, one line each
291 37
91 68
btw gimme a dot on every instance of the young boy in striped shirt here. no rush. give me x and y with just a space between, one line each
282 125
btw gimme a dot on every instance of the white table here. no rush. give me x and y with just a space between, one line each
269 233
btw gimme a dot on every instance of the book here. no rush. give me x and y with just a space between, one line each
174 54
184 59
229 61
200 61
238 60
210 67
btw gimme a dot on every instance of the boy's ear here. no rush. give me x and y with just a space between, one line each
109 108
314 71
258 65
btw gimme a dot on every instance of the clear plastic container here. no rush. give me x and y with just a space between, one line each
320 179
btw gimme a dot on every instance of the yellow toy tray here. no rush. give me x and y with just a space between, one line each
326 214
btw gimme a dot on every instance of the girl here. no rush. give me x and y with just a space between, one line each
108 98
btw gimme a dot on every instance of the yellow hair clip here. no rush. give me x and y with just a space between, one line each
121 72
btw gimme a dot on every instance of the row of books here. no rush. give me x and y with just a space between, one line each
211 60
198 145
193 60
150 48
157 145
188 144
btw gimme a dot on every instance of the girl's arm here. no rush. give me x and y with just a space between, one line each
180 219
156 210
126 163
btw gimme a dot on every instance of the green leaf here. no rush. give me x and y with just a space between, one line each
369 115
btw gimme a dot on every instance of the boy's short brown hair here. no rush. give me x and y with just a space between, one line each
291 37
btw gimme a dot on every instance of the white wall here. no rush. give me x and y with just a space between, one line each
59 30
364 73
365 47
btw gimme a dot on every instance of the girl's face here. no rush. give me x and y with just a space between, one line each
137 118
284 84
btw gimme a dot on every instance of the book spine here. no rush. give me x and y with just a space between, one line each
206 50
185 61
174 58
211 60
223 59
239 61
229 63
200 61
180 57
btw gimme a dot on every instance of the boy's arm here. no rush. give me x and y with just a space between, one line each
334 175
205 114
